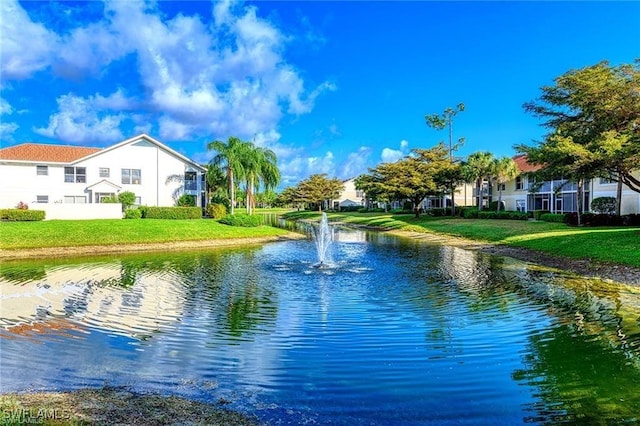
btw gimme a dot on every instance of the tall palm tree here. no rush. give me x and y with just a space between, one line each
478 167
504 170
260 167
216 179
230 158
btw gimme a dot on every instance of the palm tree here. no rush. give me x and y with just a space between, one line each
504 170
260 168
479 166
230 158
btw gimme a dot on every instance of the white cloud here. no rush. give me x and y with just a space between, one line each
356 163
80 121
7 129
190 78
390 155
27 46
300 167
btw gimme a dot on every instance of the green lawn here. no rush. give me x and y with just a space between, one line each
69 233
620 245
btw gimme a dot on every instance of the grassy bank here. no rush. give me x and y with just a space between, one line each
616 245
79 233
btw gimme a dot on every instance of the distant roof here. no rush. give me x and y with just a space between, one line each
523 165
46 153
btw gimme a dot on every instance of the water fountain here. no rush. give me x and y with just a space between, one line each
323 236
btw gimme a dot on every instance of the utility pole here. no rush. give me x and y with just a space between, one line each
439 122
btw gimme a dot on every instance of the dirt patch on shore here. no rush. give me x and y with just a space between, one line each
584 267
113 406
133 248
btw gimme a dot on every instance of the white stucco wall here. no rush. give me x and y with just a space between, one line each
20 181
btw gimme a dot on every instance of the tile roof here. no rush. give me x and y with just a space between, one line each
523 165
46 153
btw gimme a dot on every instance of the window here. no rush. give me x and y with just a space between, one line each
138 201
42 170
42 198
75 174
104 172
606 181
501 187
519 183
75 199
521 205
131 176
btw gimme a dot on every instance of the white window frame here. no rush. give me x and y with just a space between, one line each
42 170
130 177
104 172
42 199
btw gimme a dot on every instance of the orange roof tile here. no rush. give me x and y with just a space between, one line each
46 153
523 165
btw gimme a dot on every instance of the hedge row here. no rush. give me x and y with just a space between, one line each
21 215
171 212
242 219
593 219
553 217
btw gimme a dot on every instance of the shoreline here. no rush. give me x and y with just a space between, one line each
621 274
72 251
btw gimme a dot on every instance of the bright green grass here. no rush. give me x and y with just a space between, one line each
607 244
69 233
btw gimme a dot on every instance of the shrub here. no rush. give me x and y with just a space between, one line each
350 208
133 214
494 206
216 211
604 205
631 220
242 219
111 199
173 213
127 199
471 213
553 217
186 200
439 212
592 219
538 213
22 215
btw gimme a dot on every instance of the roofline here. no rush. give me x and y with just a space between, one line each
148 138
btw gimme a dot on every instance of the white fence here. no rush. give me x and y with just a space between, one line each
80 211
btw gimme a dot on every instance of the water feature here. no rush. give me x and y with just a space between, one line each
323 236
395 332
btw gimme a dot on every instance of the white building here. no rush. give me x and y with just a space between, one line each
55 174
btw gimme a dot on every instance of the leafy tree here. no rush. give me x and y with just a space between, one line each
229 157
593 115
439 122
289 197
425 172
266 198
504 170
478 167
318 188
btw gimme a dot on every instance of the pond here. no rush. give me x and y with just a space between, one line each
393 331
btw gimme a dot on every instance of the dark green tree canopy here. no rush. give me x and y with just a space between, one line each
425 172
318 188
593 115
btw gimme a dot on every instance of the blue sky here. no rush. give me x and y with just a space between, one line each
332 87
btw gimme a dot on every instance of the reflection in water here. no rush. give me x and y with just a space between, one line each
396 332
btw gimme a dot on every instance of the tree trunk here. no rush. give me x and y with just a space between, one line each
619 196
580 198
453 200
232 191
499 197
